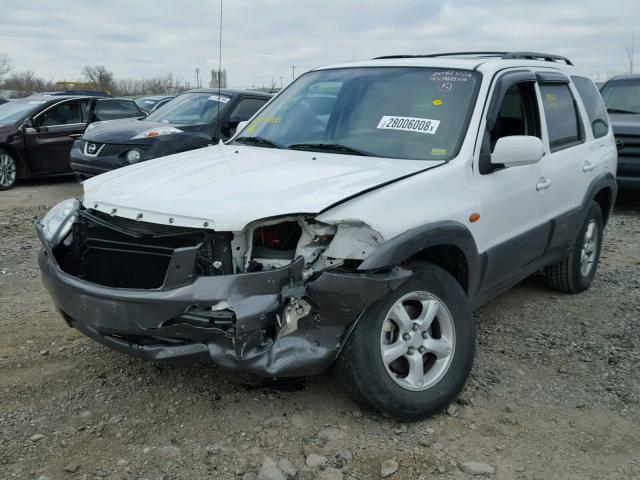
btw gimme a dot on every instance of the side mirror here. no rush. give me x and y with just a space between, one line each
241 125
517 150
28 126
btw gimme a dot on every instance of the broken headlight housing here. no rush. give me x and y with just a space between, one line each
58 221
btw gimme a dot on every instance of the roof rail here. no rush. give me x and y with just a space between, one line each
505 55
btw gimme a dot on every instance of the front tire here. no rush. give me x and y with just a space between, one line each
8 170
575 273
412 351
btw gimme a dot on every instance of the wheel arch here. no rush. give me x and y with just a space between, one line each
448 244
603 191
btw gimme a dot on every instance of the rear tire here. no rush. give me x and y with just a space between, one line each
8 170
575 273
412 351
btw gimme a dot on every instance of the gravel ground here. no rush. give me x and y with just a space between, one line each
554 394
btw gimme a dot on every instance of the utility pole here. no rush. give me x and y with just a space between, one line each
280 82
197 70
293 72
631 52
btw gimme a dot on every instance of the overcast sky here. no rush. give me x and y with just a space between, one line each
262 39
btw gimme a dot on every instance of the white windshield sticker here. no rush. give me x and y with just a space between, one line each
37 102
219 98
409 124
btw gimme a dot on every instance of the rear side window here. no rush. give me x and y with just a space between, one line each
562 118
113 109
594 106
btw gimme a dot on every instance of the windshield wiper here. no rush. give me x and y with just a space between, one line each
619 110
328 147
257 141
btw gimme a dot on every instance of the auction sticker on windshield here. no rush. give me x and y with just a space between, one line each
219 98
409 124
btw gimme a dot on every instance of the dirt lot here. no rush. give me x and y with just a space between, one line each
555 392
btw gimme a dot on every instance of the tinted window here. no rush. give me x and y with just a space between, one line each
393 112
113 109
67 113
518 114
562 117
593 105
246 108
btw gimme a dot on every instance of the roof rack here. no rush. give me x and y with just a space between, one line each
548 57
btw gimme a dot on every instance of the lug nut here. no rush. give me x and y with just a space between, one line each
422 350
410 351
425 335
415 327
406 337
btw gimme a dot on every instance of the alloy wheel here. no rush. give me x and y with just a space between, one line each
589 248
7 170
417 341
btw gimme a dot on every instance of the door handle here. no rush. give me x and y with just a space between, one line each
75 135
543 183
588 166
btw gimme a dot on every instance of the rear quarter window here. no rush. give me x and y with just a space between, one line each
594 106
563 123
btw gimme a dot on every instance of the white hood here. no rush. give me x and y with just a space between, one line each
228 186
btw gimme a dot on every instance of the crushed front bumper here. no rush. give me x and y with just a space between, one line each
155 324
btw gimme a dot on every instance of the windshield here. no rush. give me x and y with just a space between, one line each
404 113
622 96
191 109
15 110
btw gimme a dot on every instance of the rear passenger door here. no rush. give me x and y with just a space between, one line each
572 158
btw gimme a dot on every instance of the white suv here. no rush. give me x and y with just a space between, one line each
359 217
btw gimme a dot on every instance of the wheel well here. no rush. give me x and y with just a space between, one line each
450 258
603 198
19 163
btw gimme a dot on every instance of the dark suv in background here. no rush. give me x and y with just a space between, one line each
36 133
621 95
193 119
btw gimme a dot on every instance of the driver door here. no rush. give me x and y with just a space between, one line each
54 130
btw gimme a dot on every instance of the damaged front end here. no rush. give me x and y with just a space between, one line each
277 299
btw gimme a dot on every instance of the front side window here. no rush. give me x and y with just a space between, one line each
392 112
67 113
196 108
518 114
594 106
560 112
622 96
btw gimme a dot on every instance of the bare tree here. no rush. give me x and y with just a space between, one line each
24 83
5 64
100 77
631 51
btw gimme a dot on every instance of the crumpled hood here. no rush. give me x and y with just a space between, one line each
228 186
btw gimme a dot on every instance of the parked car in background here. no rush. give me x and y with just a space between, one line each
3 100
37 132
89 93
191 120
621 95
150 104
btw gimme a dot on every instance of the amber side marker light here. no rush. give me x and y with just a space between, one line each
474 217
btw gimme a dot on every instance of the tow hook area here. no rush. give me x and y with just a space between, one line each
296 309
